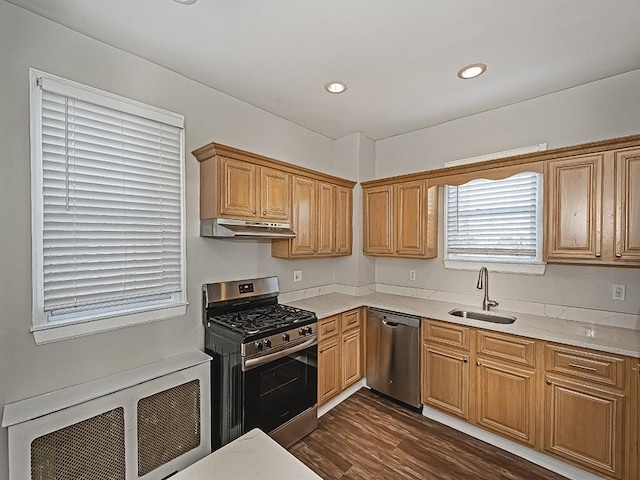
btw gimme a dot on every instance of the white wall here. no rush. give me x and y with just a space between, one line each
596 111
27 40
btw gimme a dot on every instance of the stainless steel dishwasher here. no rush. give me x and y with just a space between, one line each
393 355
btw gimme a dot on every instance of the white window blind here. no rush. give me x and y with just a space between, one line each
111 205
495 219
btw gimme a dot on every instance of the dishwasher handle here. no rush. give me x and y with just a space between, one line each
390 324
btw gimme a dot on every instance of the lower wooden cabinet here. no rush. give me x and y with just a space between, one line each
585 424
340 353
328 370
445 379
506 400
577 404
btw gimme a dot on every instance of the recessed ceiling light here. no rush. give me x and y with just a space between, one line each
186 2
472 71
335 87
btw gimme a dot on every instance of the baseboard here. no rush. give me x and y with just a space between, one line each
338 399
539 458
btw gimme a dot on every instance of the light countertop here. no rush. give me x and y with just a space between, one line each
253 456
605 338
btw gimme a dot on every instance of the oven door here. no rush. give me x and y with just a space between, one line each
280 386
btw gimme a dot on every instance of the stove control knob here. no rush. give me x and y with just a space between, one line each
267 343
302 332
258 346
309 330
285 337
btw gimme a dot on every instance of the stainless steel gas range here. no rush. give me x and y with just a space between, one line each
264 371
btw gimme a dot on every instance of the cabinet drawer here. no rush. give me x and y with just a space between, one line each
328 327
351 320
447 334
507 347
601 368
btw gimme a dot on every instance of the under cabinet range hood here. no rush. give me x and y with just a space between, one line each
228 228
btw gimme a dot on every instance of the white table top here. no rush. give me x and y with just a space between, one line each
254 455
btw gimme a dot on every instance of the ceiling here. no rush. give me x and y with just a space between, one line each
399 58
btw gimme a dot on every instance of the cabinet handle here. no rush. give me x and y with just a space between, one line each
583 367
618 255
398 251
254 212
314 250
478 364
264 212
598 255
548 382
465 360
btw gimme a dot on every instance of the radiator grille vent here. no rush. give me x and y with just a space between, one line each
168 425
89 450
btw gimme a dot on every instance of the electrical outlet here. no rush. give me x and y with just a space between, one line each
297 275
618 292
412 274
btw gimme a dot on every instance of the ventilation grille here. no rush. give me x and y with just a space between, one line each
91 449
168 425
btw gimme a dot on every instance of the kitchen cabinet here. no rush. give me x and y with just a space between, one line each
592 208
585 408
340 353
445 367
322 220
247 191
633 457
401 220
506 385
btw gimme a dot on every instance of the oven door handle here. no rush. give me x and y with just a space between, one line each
256 362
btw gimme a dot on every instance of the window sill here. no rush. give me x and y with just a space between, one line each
62 331
521 268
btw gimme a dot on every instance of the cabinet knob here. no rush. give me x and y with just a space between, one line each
618 255
598 255
548 382
333 249
314 250
264 212
465 360
478 364
398 251
254 212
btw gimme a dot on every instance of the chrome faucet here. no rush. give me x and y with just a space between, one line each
483 282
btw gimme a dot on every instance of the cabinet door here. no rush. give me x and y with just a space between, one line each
304 217
328 370
573 211
584 424
506 400
326 220
237 189
274 194
343 220
445 380
410 218
627 213
378 220
351 358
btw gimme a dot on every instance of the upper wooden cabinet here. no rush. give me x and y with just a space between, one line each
592 209
401 220
242 185
322 220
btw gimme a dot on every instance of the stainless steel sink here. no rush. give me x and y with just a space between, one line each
483 316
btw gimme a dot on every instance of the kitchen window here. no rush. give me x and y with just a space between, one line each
107 210
497 223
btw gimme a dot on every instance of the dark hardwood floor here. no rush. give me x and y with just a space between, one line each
370 437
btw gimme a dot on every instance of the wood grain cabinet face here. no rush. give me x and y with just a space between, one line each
351 358
237 188
326 218
304 216
275 195
343 221
328 370
445 380
378 220
410 218
627 208
573 208
585 425
506 400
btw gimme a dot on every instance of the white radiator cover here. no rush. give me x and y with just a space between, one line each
94 428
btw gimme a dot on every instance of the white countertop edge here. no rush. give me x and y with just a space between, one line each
604 338
47 403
